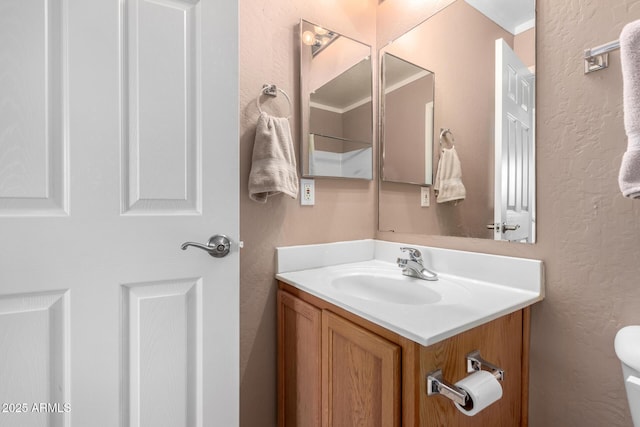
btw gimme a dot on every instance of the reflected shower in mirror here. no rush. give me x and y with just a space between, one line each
407 131
337 112
483 54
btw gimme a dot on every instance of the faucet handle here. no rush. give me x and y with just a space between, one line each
414 254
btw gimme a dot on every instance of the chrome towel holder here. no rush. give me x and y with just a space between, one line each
443 133
597 58
272 91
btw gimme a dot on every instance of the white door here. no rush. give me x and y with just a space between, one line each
118 142
514 211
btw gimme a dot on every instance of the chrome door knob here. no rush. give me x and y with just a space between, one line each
218 246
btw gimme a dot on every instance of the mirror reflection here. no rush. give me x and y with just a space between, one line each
407 131
483 54
337 112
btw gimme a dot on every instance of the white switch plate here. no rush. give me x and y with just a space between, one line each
307 192
425 196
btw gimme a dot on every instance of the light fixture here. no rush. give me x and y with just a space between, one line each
318 39
320 31
309 38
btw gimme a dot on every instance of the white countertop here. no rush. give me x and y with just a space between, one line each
473 288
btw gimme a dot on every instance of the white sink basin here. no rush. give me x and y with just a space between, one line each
385 284
396 289
472 289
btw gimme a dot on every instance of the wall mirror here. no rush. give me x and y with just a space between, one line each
336 101
482 53
406 133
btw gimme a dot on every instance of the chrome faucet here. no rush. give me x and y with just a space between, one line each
413 267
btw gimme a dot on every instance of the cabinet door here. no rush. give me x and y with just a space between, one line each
360 376
299 384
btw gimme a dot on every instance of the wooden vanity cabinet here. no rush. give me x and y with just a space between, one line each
336 369
299 352
333 372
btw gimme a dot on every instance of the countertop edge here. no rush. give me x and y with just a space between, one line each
434 339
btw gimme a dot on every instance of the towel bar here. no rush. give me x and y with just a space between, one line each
597 58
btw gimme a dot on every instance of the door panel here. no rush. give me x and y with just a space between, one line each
514 175
33 178
162 330
34 357
160 93
105 169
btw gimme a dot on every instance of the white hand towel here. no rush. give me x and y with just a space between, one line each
448 184
273 165
629 176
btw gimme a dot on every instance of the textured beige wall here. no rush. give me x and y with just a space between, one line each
524 44
323 122
354 125
587 233
396 17
358 126
344 210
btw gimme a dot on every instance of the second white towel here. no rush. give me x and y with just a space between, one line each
448 184
629 175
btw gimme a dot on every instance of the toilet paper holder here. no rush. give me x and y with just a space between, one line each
475 362
437 385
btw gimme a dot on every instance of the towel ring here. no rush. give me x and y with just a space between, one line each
272 90
443 133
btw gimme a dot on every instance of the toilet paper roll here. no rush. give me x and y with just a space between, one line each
483 389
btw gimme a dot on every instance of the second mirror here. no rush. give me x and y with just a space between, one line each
407 104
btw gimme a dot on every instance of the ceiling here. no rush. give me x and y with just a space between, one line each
514 16
347 90
398 72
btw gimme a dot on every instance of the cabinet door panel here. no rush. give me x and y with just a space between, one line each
299 384
360 376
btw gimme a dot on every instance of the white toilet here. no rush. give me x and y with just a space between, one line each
627 346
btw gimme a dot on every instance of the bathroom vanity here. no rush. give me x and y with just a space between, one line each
349 355
338 369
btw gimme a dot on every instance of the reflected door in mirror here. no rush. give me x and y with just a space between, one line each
514 148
